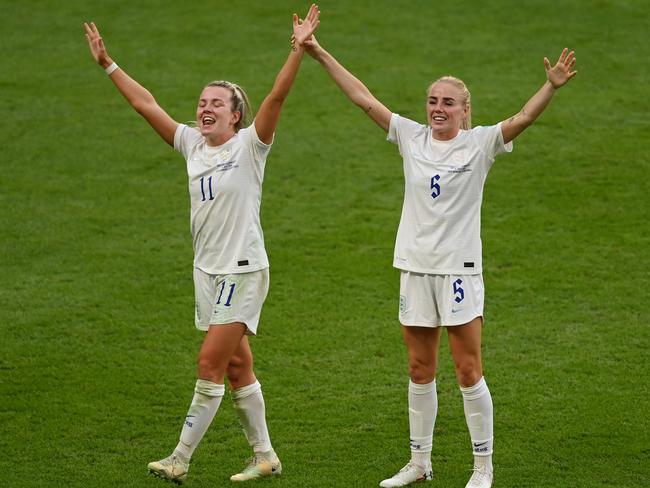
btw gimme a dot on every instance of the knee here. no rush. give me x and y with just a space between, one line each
422 371
234 373
240 373
208 369
468 373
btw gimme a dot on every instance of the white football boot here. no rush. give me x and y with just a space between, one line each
481 478
411 473
172 468
259 467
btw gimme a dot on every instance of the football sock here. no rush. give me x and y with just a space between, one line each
423 408
207 397
477 402
249 403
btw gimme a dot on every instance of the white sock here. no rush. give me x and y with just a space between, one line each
478 414
423 408
207 397
249 403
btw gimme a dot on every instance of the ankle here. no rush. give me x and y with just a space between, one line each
483 461
266 455
181 456
422 459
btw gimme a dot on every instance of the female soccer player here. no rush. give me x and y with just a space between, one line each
438 247
225 164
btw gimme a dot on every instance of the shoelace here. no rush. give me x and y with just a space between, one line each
251 462
169 461
479 473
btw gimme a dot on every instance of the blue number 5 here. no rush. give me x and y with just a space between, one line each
435 186
458 291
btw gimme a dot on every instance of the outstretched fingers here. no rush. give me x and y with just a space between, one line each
95 42
303 29
570 58
562 71
313 14
569 64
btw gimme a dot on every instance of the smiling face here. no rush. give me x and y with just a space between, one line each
447 110
214 115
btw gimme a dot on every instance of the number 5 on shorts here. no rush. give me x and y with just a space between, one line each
458 291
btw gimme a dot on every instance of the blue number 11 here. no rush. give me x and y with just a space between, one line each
209 189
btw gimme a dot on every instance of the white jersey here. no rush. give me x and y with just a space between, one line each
225 185
440 227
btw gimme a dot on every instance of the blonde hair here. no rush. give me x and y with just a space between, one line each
240 102
466 124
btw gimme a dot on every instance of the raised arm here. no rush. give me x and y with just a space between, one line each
268 115
557 76
355 90
138 96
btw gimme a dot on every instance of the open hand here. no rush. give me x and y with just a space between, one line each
96 44
303 29
561 73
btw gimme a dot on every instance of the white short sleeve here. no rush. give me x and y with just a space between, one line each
186 138
259 149
490 139
401 130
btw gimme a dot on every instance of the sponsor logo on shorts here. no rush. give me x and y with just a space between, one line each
402 303
456 310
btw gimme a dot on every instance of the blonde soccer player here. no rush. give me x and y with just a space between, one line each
226 156
438 246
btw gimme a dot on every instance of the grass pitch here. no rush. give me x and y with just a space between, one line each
98 346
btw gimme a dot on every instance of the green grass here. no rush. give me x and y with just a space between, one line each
96 303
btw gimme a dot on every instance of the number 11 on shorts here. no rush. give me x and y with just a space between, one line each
232 290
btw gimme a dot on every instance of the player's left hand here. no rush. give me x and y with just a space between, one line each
303 29
560 74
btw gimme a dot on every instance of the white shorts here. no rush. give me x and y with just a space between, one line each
224 299
433 300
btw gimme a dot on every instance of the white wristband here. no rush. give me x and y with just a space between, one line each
109 69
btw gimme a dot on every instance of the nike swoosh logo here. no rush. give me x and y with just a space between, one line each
480 444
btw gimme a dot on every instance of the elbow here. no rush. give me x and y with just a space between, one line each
277 98
139 107
528 120
362 100
143 104
274 101
144 108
